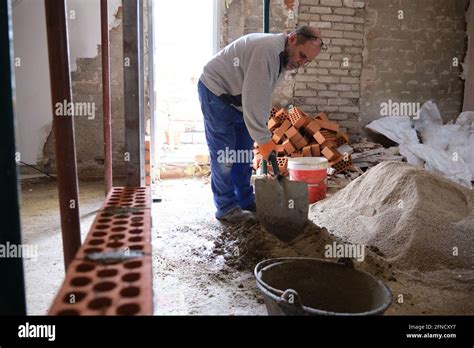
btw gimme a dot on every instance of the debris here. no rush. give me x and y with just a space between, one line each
445 148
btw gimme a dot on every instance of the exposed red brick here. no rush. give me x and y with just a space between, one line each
312 127
330 143
289 147
332 126
298 118
307 151
281 115
293 134
280 150
315 150
300 143
330 154
283 128
322 116
121 285
319 137
273 112
277 138
341 164
273 123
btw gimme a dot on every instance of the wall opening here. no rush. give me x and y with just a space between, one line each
181 50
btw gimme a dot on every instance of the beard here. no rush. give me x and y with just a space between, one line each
289 65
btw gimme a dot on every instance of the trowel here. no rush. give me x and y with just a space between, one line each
282 205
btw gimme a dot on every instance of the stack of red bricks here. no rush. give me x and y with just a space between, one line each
297 134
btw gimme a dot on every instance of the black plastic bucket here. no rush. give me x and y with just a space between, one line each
308 286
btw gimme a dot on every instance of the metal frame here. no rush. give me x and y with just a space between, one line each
107 118
12 290
133 92
58 50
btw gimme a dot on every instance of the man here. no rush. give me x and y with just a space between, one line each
235 91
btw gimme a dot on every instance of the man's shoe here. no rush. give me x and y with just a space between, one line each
252 208
237 215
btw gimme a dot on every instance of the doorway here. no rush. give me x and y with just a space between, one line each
183 45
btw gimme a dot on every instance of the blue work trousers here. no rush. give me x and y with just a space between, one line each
230 150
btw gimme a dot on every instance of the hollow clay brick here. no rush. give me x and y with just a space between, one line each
289 147
330 154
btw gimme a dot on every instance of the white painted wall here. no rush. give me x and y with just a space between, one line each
33 96
33 111
84 27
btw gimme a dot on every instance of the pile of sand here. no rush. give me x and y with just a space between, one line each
417 219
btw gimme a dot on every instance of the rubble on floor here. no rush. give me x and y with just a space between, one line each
367 154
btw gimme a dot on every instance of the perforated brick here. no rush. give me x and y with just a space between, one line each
281 115
92 288
289 147
282 166
273 111
111 272
280 131
300 143
330 154
273 124
307 151
341 164
312 127
298 118
315 150
332 126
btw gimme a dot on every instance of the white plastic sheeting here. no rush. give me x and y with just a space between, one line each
446 149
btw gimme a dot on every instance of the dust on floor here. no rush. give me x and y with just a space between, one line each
41 227
204 267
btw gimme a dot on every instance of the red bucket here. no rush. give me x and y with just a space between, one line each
313 171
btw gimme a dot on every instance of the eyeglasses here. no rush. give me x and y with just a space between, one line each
323 46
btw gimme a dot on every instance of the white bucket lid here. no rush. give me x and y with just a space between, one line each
308 163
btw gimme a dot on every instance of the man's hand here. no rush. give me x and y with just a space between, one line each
266 149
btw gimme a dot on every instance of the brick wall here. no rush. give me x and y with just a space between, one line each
411 59
372 55
332 82
246 16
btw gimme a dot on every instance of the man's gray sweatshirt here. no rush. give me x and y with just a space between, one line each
244 74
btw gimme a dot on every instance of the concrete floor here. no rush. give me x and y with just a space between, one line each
194 267
41 226
186 281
